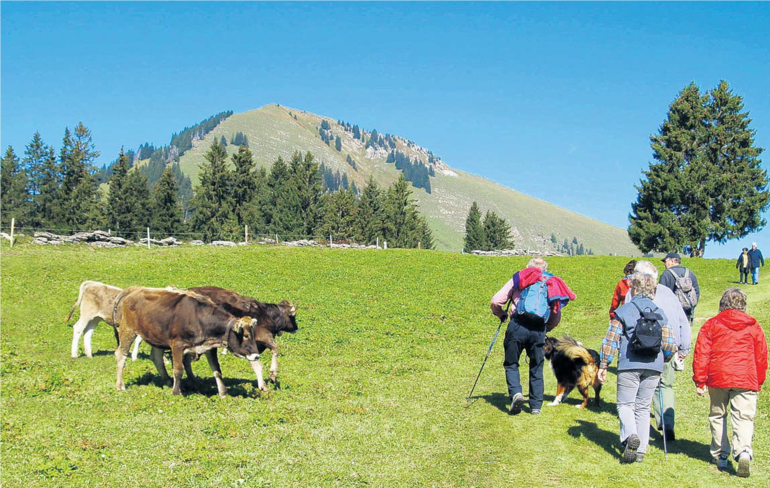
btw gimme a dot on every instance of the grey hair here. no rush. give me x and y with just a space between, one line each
643 284
646 267
733 298
538 263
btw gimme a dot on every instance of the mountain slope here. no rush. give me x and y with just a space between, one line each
274 131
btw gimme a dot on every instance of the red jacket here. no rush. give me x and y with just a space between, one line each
731 352
619 296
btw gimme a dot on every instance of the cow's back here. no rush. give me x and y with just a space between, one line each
98 300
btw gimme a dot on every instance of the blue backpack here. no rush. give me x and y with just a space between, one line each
533 304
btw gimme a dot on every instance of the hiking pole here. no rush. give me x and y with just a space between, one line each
502 321
663 421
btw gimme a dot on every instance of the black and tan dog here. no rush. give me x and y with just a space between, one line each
574 366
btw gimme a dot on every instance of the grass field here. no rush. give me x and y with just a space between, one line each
373 385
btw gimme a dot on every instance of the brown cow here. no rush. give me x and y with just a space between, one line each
185 323
272 320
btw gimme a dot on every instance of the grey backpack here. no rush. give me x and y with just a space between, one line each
685 291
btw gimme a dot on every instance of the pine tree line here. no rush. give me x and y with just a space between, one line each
414 170
492 234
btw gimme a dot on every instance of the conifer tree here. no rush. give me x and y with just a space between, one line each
244 187
402 226
340 215
138 200
706 183
78 194
497 232
280 205
47 209
212 204
119 211
426 240
14 199
35 155
474 230
306 183
370 213
338 143
166 208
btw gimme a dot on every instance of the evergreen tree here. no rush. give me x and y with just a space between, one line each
212 204
244 187
47 208
474 231
14 199
370 213
706 183
426 240
306 182
223 141
137 199
78 194
35 155
166 209
402 224
119 210
497 232
338 143
340 215
281 208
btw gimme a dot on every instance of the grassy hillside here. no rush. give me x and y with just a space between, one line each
373 384
275 131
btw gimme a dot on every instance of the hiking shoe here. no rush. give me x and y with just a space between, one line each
669 433
639 457
516 403
535 411
722 462
629 453
744 465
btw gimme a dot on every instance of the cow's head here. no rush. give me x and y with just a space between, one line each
240 340
278 318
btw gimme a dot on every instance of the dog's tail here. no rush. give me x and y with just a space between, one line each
80 299
575 351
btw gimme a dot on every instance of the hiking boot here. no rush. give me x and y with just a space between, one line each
516 403
744 465
535 411
722 462
639 457
669 433
629 453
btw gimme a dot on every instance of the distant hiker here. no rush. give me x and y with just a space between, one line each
682 282
640 333
730 361
743 266
537 298
667 301
621 290
755 259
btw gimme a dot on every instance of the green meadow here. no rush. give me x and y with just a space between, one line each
372 387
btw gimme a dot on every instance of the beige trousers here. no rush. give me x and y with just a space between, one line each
743 407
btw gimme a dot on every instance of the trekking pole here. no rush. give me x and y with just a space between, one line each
663 421
502 321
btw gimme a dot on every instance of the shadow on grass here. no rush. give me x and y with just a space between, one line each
694 450
236 387
603 438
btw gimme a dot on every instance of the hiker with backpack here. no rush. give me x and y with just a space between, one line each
682 282
640 333
537 298
755 260
667 301
621 289
730 363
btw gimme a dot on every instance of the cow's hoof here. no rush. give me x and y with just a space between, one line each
273 378
263 388
121 387
90 356
177 392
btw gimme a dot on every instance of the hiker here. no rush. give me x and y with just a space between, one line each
641 334
755 259
730 361
682 282
743 266
666 300
621 289
530 319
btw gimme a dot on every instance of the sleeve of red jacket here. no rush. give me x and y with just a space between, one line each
616 298
761 356
701 358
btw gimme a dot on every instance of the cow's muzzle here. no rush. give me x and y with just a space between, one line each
252 357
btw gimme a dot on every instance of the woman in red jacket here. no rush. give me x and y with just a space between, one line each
622 288
731 360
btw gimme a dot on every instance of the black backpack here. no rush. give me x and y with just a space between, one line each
647 337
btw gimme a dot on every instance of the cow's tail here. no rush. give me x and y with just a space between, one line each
80 299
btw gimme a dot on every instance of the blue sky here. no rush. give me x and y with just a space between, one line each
557 100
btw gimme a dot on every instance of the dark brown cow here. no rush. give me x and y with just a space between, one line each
272 320
185 323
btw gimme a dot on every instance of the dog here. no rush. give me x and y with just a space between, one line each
574 366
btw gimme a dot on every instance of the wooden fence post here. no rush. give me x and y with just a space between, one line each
331 241
13 225
148 237
247 233
276 239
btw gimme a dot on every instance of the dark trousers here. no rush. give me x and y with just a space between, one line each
518 338
744 275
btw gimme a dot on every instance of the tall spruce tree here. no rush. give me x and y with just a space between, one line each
14 199
78 193
119 210
497 233
426 239
340 215
474 230
166 209
137 196
370 213
35 155
212 204
402 224
47 208
706 183
306 182
244 188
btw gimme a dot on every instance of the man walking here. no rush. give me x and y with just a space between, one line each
527 327
755 259
682 282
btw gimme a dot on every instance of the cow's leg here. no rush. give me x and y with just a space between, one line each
77 331
273 365
177 358
257 367
89 332
157 357
126 337
188 367
135 353
211 356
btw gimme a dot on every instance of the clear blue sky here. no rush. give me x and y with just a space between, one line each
557 100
